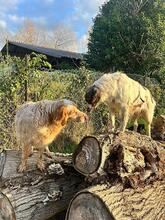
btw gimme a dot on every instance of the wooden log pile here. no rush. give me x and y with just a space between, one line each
127 175
35 195
158 131
123 179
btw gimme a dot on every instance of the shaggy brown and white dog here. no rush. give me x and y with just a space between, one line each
38 123
123 96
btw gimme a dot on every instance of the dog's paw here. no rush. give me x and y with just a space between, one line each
50 154
41 165
22 167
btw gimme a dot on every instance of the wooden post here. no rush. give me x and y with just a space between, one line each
7 48
26 82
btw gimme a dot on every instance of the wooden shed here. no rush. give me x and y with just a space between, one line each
57 58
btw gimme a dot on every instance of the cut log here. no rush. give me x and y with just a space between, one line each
6 209
158 131
34 194
102 202
10 160
87 156
130 170
130 156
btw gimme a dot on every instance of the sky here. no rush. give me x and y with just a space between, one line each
77 14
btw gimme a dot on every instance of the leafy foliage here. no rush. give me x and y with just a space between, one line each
23 79
128 35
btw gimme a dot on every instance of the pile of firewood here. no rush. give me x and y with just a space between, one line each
109 176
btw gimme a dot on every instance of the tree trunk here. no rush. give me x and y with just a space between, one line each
131 156
131 169
102 202
34 195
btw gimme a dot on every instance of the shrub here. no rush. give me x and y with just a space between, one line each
22 79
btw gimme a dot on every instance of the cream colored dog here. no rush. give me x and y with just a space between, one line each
38 124
124 96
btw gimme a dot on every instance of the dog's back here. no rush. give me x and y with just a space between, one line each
120 88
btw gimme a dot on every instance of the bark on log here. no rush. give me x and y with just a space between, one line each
102 202
130 156
158 131
34 195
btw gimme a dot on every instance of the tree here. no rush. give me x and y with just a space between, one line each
4 35
61 37
128 35
28 33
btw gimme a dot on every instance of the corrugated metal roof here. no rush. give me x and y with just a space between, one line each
49 51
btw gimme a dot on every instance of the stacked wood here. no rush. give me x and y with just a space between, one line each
125 175
102 202
34 194
130 156
158 131
129 170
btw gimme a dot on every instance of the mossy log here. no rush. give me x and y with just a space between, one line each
34 195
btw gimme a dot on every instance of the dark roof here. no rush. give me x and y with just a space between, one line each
49 51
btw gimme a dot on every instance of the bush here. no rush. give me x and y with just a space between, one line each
22 79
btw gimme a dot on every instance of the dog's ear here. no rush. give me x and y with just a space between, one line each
91 93
62 115
94 90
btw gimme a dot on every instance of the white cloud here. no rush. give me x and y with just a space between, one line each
39 20
3 24
83 42
20 19
16 19
7 4
87 9
91 6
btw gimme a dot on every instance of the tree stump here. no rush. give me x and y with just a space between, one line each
33 194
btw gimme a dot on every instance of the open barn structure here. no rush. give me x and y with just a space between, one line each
57 58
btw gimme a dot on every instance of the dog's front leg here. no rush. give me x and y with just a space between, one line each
48 152
124 119
112 122
40 163
26 152
148 128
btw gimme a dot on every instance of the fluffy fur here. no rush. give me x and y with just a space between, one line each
38 123
124 96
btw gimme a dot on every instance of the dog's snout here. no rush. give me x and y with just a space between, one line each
86 117
83 118
89 108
